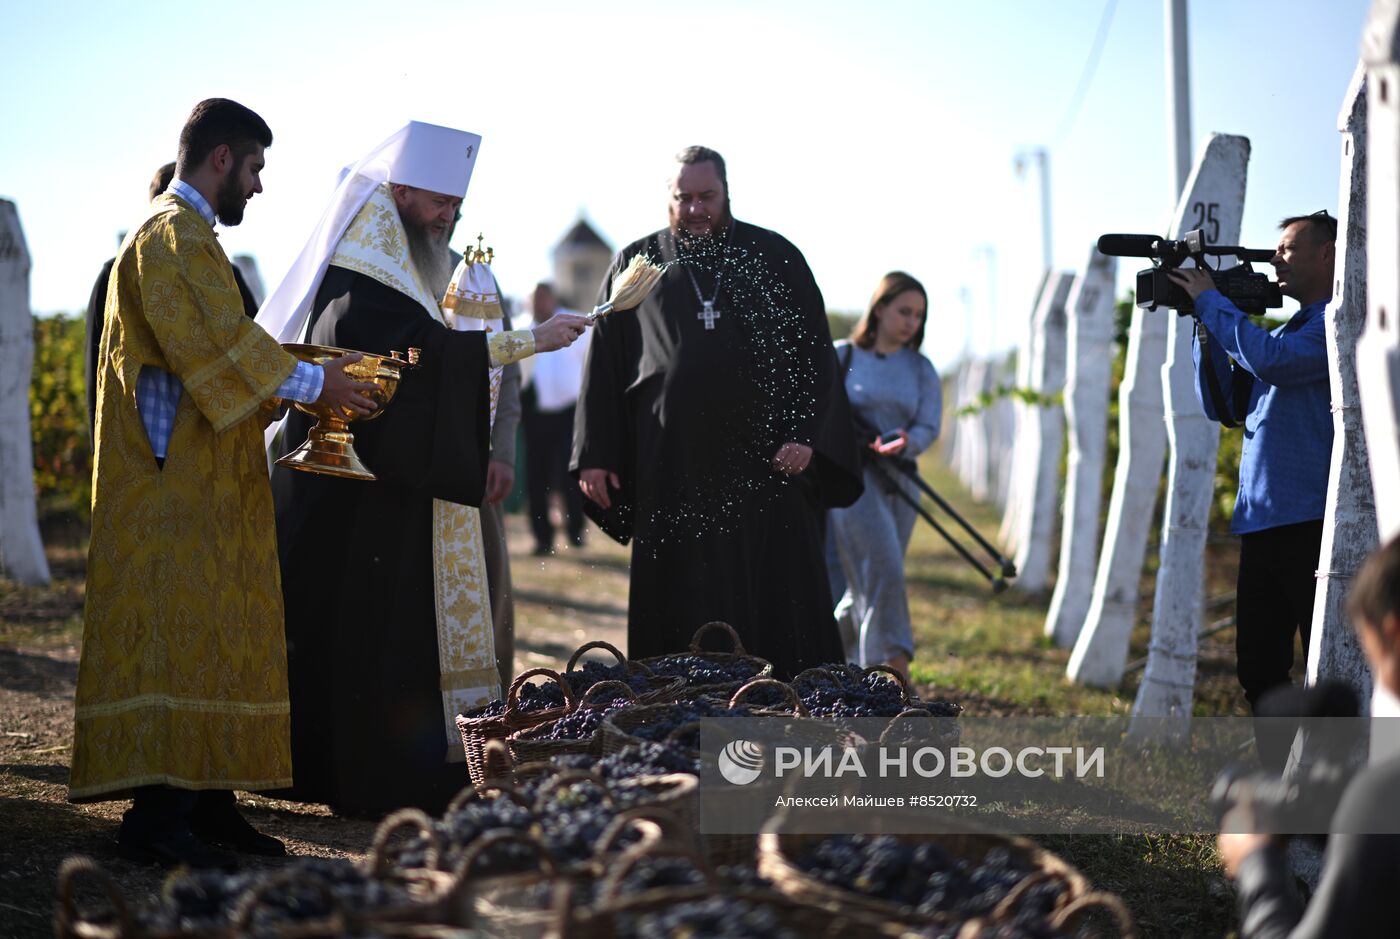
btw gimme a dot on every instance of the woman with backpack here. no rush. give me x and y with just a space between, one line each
897 403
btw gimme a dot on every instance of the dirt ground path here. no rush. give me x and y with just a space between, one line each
563 600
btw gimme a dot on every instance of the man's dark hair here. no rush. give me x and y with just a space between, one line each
216 121
1375 593
1322 225
161 181
698 154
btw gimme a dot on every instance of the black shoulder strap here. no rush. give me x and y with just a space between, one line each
847 354
1241 385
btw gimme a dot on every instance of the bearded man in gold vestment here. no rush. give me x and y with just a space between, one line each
182 685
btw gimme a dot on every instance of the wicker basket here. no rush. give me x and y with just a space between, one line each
762 667
477 731
528 746
661 688
777 850
805 918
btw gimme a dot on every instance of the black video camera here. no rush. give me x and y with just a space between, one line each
1250 291
1305 803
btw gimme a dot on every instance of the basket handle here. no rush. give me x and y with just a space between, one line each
611 684
813 673
903 717
496 758
248 902
490 839
1008 903
513 695
787 689
477 790
712 626
623 822
595 644
655 822
618 871
67 916
377 860
567 776
898 679
1107 901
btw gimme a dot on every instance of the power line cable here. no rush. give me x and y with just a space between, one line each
1086 78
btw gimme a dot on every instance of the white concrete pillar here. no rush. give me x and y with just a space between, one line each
1018 470
974 433
1349 527
21 549
1378 349
1087 377
1215 191
1002 437
1042 438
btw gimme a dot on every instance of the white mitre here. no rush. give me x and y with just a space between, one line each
425 156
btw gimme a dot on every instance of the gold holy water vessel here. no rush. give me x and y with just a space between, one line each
330 447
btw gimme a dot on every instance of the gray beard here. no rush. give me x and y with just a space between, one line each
431 258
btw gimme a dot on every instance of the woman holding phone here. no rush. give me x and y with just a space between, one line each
898 403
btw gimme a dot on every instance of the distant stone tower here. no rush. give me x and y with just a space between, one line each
581 262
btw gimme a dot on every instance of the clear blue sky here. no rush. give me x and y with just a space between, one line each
875 137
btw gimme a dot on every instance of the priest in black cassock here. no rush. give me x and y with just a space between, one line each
712 432
389 627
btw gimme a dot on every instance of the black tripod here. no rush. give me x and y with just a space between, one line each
882 465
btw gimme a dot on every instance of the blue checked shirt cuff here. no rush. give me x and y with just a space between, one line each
158 397
304 384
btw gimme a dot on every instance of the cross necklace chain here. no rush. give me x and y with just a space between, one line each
707 313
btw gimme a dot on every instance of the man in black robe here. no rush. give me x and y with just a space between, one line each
712 431
369 733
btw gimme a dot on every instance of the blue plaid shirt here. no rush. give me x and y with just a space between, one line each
158 392
1288 428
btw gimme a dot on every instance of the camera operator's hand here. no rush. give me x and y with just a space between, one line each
1235 846
1193 280
1238 839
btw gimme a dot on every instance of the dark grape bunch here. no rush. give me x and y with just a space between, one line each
579 724
927 878
589 673
457 830
205 900
718 917
675 716
533 698
643 758
704 670
844 691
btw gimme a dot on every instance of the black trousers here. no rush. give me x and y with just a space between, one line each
549 439
1274 600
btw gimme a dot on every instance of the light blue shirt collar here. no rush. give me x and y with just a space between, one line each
178 187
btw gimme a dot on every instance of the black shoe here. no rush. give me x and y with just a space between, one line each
227 828
542 551
174 848
576 541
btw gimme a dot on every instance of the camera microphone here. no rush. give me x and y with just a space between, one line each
1128 246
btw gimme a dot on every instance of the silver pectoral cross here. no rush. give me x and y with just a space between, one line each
709 314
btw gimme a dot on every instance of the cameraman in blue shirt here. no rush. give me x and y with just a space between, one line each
1282 375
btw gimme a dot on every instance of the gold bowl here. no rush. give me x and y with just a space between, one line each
330 447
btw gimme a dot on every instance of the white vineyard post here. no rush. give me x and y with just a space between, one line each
1214 202
1087 378
21 548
